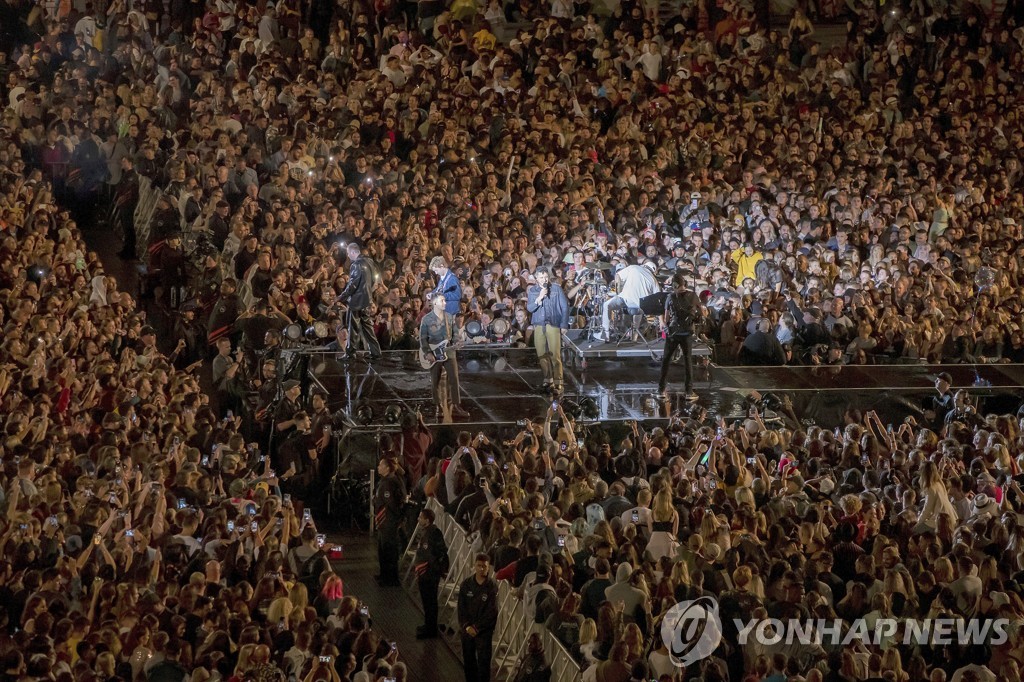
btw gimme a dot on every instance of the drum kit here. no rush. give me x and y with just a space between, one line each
592 293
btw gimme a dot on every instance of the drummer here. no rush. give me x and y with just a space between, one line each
633 282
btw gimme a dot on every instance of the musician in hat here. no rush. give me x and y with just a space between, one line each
438 327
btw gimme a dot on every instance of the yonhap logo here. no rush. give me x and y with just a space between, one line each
692 630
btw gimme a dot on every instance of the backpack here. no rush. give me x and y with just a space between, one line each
309 572
535 594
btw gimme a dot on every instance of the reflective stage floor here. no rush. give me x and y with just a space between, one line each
502 387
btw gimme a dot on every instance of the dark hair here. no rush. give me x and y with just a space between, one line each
428 514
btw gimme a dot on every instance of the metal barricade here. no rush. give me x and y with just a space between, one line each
460 567
564 668
143 216
512 633
514 625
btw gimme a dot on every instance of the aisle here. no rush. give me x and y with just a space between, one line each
394 614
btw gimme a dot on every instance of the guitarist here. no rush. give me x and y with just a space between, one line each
438 327
683 310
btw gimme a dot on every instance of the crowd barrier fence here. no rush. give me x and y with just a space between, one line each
514 625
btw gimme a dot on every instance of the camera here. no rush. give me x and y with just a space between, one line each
231 526
325 659
561 541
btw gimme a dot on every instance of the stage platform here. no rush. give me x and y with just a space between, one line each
580 350
501 386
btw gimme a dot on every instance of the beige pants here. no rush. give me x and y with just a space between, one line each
548 340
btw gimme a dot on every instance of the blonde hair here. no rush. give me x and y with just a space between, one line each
744 497
588 631
663 509
279 609
299 596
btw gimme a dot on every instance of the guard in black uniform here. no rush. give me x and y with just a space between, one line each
430 564
478 614
683 310
358 294
388 502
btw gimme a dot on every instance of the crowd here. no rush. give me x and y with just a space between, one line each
602 532
143 536
831 205
859 203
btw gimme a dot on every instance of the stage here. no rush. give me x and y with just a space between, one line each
580 349
501 386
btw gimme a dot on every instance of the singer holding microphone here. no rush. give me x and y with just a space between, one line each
447 285
549 307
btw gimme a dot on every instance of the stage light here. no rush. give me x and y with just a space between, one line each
364 414
587 408
393 414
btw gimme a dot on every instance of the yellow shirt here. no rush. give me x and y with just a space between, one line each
746 264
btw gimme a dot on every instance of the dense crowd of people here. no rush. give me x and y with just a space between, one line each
602 533
862 199
850 204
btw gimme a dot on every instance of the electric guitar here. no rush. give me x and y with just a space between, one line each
438 353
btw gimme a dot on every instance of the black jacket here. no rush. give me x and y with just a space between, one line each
478 605
390 498
360 284
432 551
682 312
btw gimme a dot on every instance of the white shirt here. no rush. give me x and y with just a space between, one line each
637 282
643 514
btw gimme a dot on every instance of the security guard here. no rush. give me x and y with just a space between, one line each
478 614
430 564
389 501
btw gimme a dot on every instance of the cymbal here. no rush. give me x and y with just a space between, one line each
598 265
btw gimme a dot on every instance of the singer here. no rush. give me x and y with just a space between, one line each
550 310
447 285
